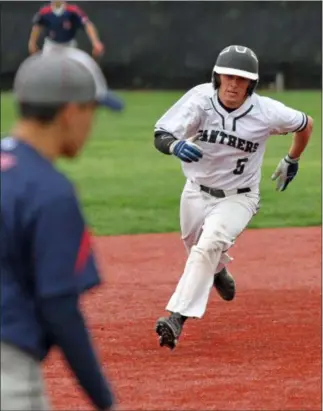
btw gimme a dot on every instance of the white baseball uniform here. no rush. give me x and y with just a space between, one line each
233 145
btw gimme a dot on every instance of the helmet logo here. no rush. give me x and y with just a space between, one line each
239 49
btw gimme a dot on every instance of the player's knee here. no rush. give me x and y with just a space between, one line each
214 241
210 249
189 241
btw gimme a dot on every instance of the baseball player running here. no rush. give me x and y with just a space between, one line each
61 22
219 132
46 258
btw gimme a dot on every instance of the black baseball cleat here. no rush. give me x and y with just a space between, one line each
169 329
225 285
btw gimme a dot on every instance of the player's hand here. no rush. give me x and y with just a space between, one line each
98 49
186 151
285 172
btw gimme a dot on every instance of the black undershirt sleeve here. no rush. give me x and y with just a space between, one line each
163 141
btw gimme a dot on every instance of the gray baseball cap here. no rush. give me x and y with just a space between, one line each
64 76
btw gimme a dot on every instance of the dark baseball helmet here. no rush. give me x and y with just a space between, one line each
237 61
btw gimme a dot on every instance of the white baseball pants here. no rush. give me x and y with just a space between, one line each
50 45
209 228
22 385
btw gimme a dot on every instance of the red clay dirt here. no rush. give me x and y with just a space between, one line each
261 351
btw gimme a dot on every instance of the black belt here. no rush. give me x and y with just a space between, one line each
220 193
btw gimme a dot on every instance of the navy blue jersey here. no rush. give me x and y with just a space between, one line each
63 27
45 244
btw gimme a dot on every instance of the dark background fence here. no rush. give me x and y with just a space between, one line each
155 44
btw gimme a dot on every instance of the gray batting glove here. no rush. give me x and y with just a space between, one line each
285 172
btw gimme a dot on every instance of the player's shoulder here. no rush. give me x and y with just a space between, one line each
60 185
52 188
268 107
51 185
200 94
265 101
28 172
45 10
270 104
73 8
204 90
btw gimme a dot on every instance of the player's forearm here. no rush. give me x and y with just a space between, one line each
92 33
300 140
34 36
163 141
67 329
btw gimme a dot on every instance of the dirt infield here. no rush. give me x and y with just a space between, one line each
260 352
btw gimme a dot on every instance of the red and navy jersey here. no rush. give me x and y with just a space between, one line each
45 245
62 27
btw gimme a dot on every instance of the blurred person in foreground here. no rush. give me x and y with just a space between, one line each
61 22
47 261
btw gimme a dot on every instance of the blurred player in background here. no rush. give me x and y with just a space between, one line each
47 261
61 22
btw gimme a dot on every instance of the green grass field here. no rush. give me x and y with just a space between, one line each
126 186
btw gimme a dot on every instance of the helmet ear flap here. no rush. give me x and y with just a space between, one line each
215 80
252 86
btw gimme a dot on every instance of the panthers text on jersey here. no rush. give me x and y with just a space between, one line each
234 142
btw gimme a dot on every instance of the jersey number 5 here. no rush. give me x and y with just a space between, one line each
240 166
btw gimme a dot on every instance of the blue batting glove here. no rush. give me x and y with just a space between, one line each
186 151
